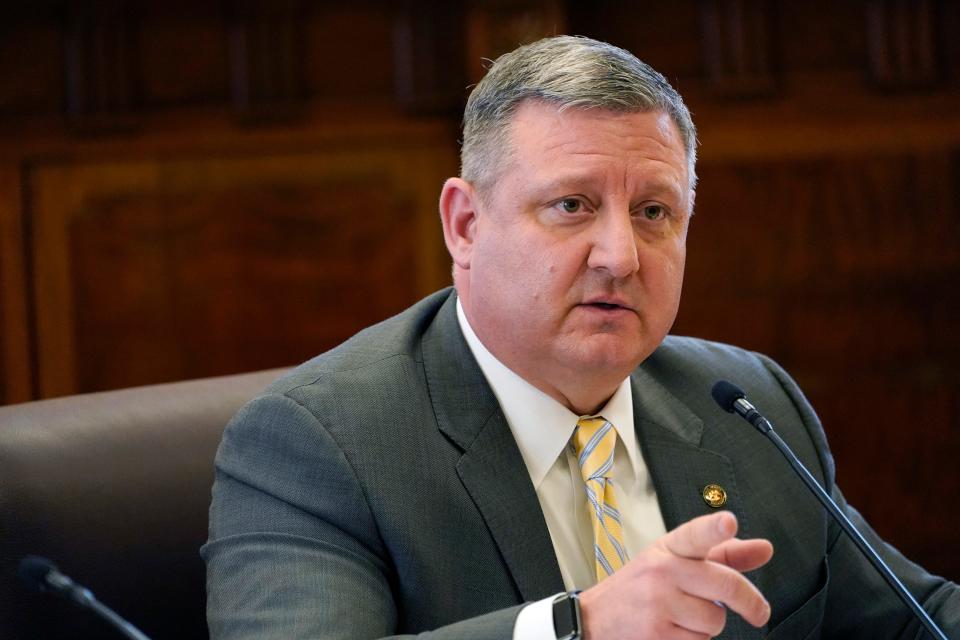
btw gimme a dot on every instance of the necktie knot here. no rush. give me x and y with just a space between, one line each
594 441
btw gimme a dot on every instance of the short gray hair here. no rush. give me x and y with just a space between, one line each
570 72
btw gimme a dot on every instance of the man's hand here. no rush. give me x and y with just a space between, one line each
681 585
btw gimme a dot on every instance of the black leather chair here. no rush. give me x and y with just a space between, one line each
114 488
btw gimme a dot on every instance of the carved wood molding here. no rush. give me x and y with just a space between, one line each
100 65
902 43
496 27
738 47
266 47
429 71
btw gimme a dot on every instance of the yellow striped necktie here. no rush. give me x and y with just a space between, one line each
594 441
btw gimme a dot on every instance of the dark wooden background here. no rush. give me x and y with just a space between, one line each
198 188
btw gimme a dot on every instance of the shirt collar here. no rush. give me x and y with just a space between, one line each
542 426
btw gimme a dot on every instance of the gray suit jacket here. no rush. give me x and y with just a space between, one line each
377 490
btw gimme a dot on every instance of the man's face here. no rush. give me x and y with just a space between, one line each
578 248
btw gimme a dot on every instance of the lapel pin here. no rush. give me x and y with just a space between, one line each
714 495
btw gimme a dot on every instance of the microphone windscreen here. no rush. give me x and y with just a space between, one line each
33 571
725 394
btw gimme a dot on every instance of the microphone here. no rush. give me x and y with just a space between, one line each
42 576
732 399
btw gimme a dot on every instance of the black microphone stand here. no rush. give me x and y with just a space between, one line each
732 399
40 574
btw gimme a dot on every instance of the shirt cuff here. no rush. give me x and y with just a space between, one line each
535 621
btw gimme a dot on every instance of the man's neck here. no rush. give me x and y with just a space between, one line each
579 398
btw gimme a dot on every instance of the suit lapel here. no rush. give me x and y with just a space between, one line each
671 438
491 468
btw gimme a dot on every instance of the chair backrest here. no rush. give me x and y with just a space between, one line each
114 487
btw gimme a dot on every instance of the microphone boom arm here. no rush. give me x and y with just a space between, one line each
732 399
855 535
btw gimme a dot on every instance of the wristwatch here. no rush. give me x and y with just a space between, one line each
566 616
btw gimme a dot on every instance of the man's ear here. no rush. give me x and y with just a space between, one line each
458 213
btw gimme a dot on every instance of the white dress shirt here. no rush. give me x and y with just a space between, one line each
542 428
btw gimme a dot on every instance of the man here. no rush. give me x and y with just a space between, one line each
459 468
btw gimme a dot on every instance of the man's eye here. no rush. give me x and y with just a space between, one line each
653 212
570 205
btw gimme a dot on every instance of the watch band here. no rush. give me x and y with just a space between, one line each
566 616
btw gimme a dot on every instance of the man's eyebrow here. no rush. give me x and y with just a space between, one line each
662 187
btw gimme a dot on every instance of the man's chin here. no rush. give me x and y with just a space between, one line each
611 354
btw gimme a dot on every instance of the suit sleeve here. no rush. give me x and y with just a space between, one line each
860 604
293 549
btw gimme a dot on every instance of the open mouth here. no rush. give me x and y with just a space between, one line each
606 306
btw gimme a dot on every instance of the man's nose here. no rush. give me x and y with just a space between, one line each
614 245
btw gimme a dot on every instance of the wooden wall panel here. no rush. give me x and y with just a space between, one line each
738 48
358 67
430 70
494 28
16 371
904 48
31 64
266 54
666 36
180 32
806 45
162 269
101 48
170 285
845 268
